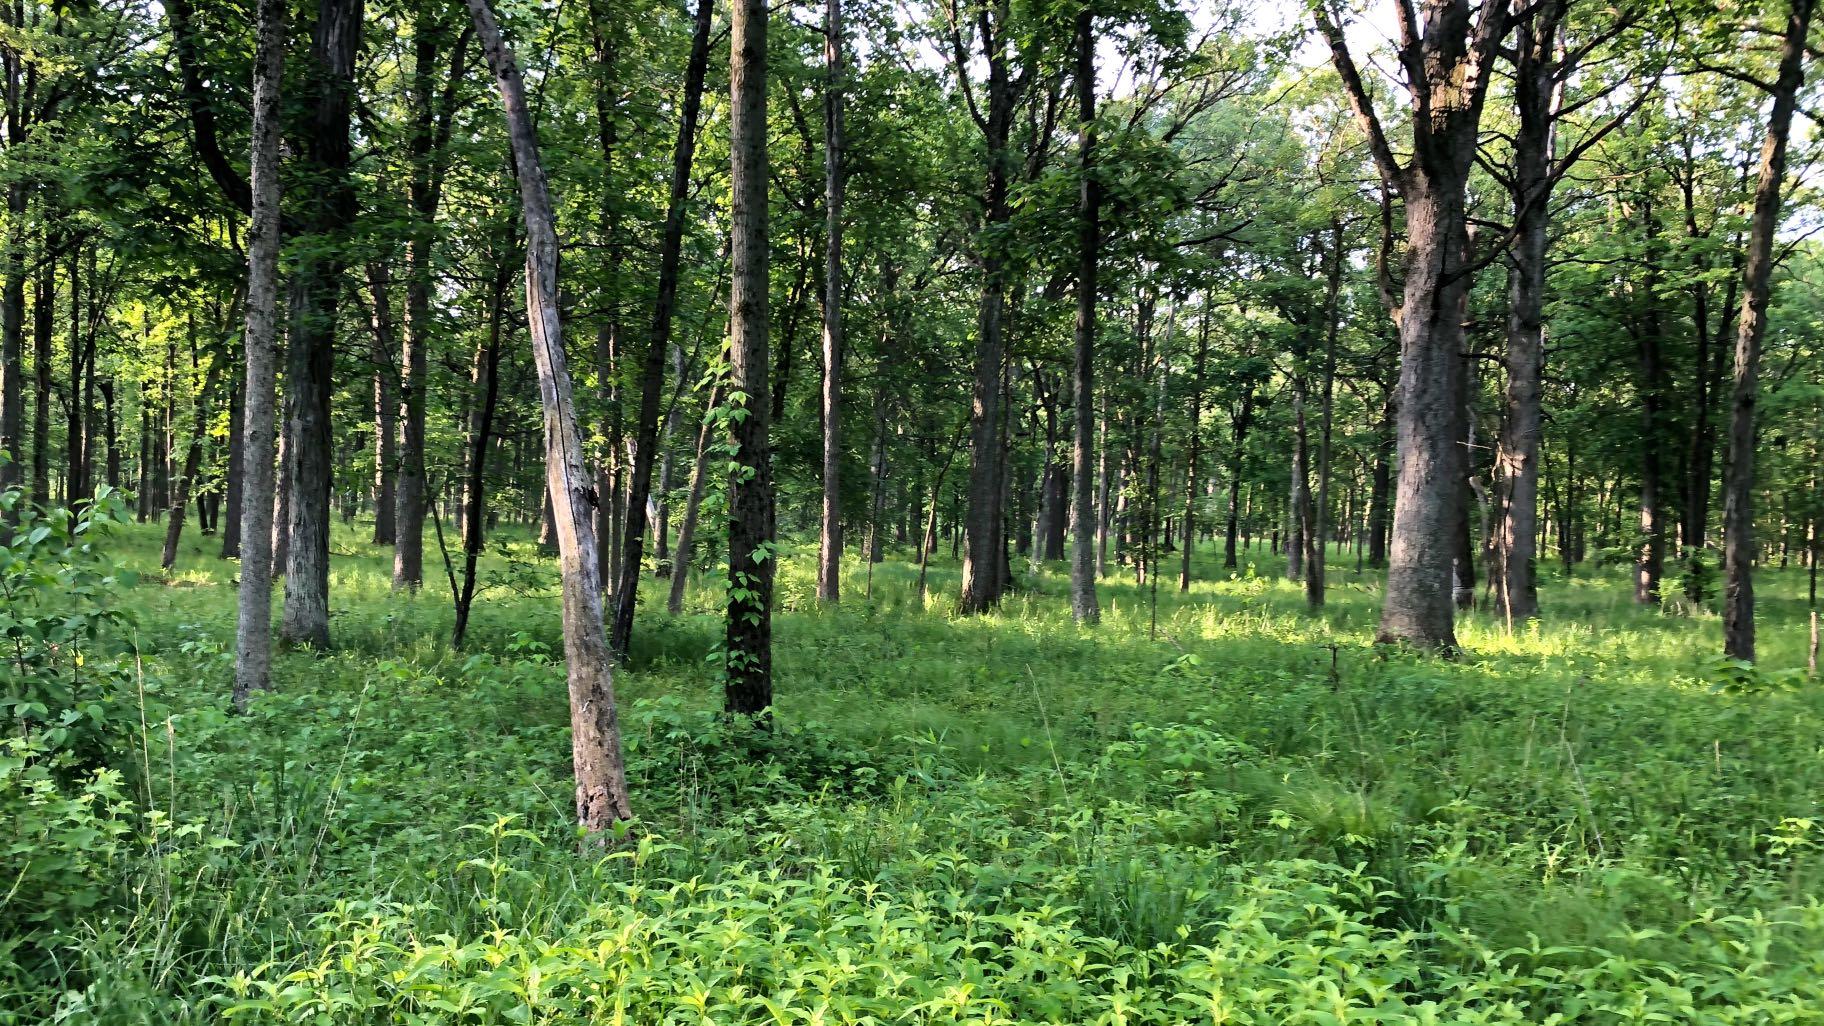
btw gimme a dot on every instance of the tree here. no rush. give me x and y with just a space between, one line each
253 640
748 654
1083 604
595 737
1751 330
1447 62
829 557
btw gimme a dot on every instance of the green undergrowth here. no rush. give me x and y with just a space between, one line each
1228 810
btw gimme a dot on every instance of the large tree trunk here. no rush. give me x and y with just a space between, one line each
1084 605
314 298
829 553
983 536
1429 493
1751 328
595 738
748 678
253 641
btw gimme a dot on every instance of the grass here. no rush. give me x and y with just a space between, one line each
1249 814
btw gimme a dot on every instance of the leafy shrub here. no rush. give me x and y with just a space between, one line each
66 675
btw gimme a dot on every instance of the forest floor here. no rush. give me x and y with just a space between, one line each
1247 815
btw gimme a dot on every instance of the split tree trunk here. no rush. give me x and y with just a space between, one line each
595 745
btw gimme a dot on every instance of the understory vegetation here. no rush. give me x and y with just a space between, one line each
1240 812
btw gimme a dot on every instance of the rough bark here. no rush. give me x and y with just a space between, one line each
314 299
1449 60
253 641
983 555
1751 329
748 678
601 778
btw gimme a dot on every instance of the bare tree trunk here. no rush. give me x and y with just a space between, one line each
687 531
487 378
44 311
1320 521
193 458
829 553
601 779
427 145
253 631
1084 605
983 550
1738 495
748 678
1189 537
314 298
386 408
652 375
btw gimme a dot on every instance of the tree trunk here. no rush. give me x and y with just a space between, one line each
1751 328
314 299
652 371
748 677
487 379
193 458
601 779
253 641
983 550
44 311
1195 447
1084 605
829 554
687 530
1319 527
427 145
386 409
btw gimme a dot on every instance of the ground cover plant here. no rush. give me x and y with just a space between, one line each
1251 816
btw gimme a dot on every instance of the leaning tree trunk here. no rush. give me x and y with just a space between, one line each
681 556
652 370
748 642
193 459
1751 328
829 553
595 736
253 641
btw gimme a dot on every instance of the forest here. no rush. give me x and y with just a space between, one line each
936 512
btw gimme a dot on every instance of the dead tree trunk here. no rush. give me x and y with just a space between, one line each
601 778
